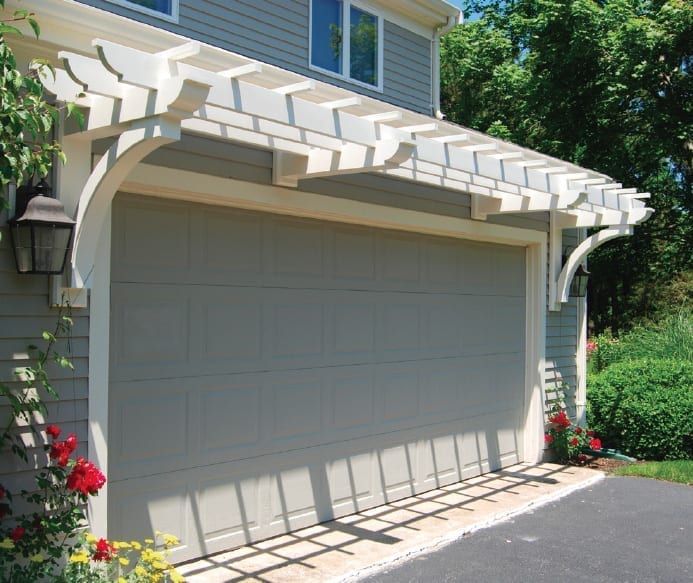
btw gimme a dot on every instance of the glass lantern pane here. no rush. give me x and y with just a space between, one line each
50 244
21 240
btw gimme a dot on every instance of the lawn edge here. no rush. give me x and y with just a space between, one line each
450 538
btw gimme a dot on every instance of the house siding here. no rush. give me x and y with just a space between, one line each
276 32
561 345
24 315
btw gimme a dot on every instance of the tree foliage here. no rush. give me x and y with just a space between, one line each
603 84
26 118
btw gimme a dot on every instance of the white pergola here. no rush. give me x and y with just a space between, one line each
315 129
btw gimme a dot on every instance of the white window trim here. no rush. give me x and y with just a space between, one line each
173 17
346 40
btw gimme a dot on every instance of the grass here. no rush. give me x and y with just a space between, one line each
672 471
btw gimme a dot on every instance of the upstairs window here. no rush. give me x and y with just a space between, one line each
346 41
167 9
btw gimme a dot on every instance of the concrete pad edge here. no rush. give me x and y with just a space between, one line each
440 542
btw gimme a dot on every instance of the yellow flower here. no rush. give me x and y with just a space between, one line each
90 538
80 557
37 558
149 541
171 540
175 576
140 571
121 545
122 580
7 544
136 545
123 561
160 565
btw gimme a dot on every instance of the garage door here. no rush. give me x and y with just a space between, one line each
270 372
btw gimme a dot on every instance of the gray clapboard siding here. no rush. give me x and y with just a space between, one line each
561 343
276 32
24 315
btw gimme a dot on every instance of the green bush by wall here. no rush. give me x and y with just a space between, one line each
644 408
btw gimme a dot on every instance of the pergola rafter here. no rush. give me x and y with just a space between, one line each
316 130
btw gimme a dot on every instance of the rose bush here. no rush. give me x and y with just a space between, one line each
569 441
34 545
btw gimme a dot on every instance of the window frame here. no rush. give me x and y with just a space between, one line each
172 17
346 44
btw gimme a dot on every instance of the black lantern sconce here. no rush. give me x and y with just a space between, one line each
578 287
41 236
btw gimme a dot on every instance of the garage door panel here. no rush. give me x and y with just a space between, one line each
150 424
230 248
136 255
354 327
229 504
439 459
296 408
232 330
441 266
352 404
398 385
508 321
353 253
137 508
230 418
509 271
140 317
293 370
401 328
440 393
399 256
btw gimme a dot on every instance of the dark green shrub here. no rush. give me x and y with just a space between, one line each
644 408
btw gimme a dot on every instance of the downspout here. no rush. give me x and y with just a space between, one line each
452 22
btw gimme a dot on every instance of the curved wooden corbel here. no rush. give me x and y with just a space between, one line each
98 192
578 256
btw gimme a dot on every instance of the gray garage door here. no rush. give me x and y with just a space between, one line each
270 372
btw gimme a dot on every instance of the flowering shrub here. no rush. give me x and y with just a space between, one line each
568 440
33 547
98 560
33 544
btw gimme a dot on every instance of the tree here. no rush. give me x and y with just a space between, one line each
26 118
606 85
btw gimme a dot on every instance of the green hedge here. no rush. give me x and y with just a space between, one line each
644 408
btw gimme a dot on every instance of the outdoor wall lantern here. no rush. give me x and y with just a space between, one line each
578 287
41 236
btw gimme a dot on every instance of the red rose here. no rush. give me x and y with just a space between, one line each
578 430
71 442
104 551
17 533
582 458
53 431
595 443
560 419
85 478
548 438
574 441
590 433
60 452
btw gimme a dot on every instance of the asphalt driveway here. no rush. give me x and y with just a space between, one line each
619 530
